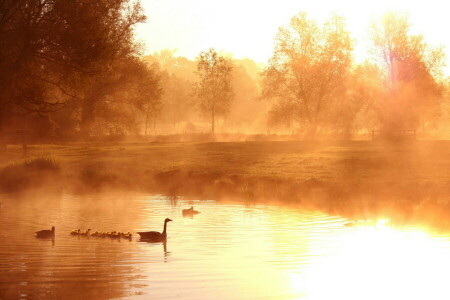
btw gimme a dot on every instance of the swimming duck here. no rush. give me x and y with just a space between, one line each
87 233
46 233
189 211
155 236
75 232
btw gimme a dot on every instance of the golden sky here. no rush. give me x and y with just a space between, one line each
246 28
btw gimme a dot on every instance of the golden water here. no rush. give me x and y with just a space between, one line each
229 251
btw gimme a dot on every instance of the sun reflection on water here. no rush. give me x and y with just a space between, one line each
378 262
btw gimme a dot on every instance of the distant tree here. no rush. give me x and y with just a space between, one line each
413 88
308 64
354 108
213 90
177 77
248 112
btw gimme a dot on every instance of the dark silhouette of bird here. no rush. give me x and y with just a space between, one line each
86 233
75 232
46 233
189 212
155 236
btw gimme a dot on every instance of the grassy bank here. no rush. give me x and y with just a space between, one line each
409 181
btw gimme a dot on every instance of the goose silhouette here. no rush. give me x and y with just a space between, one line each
155 236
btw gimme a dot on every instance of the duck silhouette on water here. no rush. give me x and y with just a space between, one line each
189 212
46 234
155 236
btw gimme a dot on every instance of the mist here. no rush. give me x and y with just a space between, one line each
282 158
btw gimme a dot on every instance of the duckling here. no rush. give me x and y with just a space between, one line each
189 212
46 233
87 233
127 235
75 232
95 234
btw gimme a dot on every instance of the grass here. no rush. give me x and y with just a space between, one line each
29 173
408 181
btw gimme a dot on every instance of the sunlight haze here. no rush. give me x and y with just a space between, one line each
246 28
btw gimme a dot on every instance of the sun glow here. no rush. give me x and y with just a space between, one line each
247 28
378 262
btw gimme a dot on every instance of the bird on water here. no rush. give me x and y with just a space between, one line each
46 233
155 236
189 211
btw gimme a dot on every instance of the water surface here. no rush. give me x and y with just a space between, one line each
228 251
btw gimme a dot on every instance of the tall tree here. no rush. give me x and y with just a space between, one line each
177 78
213 90
49 47
413 70
308 64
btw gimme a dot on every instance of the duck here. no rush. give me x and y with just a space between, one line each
155 236
189 211
46 233
75 232
95 234
87 233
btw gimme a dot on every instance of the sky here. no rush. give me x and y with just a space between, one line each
246 28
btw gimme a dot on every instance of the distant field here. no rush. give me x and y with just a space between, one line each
352 178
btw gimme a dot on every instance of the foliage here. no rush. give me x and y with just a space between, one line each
54 53
213 90
413 89
308 65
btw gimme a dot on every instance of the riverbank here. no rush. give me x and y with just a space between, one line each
408 182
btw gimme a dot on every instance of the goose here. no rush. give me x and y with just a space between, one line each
189 211
46 233
75 232
155 236
87 233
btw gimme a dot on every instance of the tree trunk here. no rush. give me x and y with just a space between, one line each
212 120
2 131
146 121
87 116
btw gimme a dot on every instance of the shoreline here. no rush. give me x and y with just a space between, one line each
355 180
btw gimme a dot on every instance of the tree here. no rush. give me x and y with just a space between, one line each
354 107
413 70
177 77
308 64
50 48
213 90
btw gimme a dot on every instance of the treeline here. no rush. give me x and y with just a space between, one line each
73 70
312 85
315 83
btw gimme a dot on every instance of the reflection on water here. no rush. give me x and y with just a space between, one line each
228 251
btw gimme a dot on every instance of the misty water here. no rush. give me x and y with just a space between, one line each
228 251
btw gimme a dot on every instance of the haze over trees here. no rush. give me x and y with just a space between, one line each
213 90
413 88
306 70
73 58
73 70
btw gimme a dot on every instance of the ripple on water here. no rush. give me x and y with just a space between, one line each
228 251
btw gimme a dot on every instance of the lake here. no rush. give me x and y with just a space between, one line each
228 251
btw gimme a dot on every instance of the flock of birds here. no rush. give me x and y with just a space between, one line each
103 234
151 236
